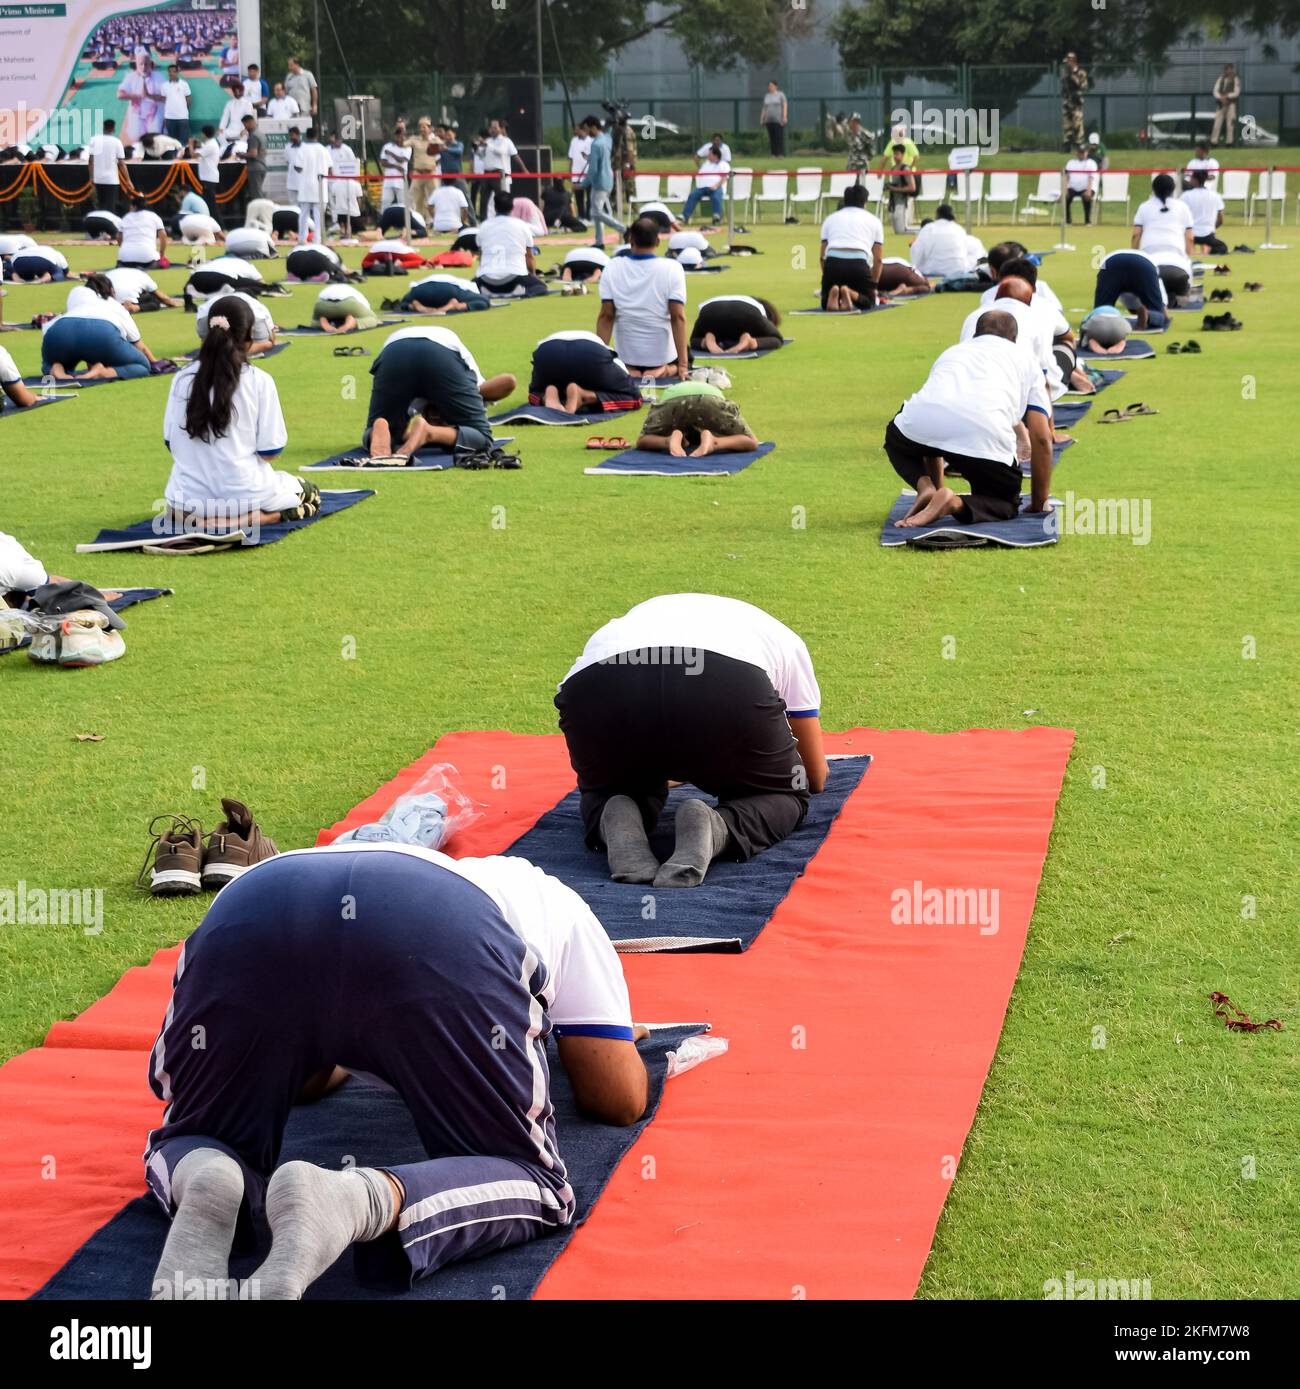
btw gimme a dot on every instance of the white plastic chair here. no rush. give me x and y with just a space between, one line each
807 189
1274 192
771 189
839 185
1048 191
1003 188
645 189
742 189
1234 187
958 196
1114 189
678 188
875 186
933 189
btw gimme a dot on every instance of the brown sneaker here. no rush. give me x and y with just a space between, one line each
234 847
177 857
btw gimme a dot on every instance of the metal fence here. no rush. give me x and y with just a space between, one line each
1025 96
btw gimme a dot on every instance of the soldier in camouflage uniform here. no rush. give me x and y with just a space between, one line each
1074 82
862 146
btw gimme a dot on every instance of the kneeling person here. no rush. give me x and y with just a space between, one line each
443 294
694 688
694 419
343 309
733 323
576 372
964 418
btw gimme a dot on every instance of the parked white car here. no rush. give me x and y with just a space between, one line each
1166 128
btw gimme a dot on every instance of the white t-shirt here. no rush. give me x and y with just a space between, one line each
233 268
395 158
388 248
585 993
579 153
586 255
688 240
1205 205
1164 231
734 299
101 215
1037 327
976 394
282 108
940 249
1210 165
334 293
703 622
497 154
444 337
17 244
129 285
229 469
56 260
312 162
104 152
705 151
140 236
440 278
9 373
641 287
502 243
263 323
852 229
713 173
19 571
209 161
232 116
447 204
659 210
175 107
251 242
198 226
88 304
1081 173
160 145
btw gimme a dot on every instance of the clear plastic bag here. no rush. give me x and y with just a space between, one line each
694 1051
428 815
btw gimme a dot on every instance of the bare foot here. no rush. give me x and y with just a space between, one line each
572 398
381 439
924 491
944 502
675 444
551 398
705 446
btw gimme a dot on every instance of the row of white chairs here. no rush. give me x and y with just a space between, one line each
994 190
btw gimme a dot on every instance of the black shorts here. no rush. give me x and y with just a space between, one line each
994 487
208 282
418 369
466 240
728 319
591 365
394 219
851 273
97 224
581 269
284 220
642 719
1176 280
529 285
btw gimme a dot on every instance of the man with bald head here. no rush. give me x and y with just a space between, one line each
964 420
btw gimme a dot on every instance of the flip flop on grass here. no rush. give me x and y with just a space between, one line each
1140 408
1114 417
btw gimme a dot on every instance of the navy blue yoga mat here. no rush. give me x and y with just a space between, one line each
1133 351
1026 531
725 913
372 1126
705 269
144 532
1108 378
648 463
543 414
308 330
7 407
1068 412
259 357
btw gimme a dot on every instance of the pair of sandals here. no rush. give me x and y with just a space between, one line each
1220 296
614 441
495 457
1223 270
1252 285
1190 346
1130 412
354 351
1221 323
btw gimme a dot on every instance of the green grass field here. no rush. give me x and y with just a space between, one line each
1169 1153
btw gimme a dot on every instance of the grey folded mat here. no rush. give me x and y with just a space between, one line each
1133 352
1026 531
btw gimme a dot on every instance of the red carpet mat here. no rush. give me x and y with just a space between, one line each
810 1161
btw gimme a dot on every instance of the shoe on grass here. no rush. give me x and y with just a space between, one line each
234 846
174 860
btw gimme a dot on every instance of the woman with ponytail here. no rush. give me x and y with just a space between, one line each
1162 229
224 427
97 330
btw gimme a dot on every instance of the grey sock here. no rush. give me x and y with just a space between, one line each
207 1188
631 860
702 835
314 1216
